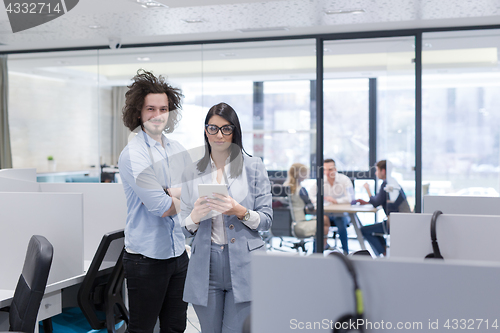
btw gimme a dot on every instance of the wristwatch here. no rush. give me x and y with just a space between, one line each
246 217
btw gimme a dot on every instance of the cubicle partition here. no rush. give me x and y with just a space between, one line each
465 237
462 205
104 205
72 216
294 293
19 174
104 210
18 180
57 216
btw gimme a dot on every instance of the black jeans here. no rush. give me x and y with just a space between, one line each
155 288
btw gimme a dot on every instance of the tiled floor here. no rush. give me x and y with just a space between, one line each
286 244
193 325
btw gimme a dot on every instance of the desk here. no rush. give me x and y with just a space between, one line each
52 302
352 210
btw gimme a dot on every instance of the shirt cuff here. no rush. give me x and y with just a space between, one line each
254 220
190 225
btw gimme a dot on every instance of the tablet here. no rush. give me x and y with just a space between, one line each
206 190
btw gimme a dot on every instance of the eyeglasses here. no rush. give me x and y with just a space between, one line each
214 129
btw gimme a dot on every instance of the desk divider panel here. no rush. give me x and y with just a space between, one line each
19 174
57 216
104 210
292 293
462 205
17 185
463 237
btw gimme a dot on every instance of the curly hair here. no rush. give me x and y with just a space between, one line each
146 83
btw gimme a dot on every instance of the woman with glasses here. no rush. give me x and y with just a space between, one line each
225 228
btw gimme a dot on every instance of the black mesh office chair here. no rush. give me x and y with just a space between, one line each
100 296
23 311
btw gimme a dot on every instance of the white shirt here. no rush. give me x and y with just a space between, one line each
341 190
218 231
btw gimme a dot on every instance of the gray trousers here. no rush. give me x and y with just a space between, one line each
221 315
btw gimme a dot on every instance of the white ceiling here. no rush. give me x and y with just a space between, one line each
222 19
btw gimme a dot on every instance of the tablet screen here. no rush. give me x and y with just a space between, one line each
206 190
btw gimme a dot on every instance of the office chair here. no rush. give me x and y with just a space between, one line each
403 207
283 220
23 311
361 253
100 296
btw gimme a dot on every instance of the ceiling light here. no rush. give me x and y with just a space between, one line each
95 26
154 4
344 11
325 50
150 4
263 29
194 21
228 54
143 59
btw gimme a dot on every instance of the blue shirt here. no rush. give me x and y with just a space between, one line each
146 232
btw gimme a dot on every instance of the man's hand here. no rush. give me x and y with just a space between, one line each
331 199
174 192
362 202
175 207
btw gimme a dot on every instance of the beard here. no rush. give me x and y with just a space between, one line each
155 127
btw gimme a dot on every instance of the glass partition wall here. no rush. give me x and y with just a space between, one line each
65 107
369 92
77 98
54 111
460 113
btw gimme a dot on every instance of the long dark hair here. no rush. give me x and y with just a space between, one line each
236 148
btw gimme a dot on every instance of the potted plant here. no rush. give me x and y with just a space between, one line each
52 163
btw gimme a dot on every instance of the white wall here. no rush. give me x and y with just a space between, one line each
56 117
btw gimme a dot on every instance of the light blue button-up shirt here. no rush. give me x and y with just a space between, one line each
145 168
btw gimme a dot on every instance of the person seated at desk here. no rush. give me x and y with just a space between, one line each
391 201
338 189
301 203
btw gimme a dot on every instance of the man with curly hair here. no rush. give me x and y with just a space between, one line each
155 260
